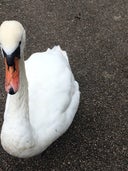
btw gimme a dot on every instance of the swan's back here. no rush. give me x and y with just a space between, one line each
53 92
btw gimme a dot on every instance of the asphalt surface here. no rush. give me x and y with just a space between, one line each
95 35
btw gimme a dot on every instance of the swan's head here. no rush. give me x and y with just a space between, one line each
12 39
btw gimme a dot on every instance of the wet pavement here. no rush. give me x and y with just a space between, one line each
95 35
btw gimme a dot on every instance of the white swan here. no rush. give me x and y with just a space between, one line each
43 95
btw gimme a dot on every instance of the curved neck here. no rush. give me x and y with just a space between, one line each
17 135
17 105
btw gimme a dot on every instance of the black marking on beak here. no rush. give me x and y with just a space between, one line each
10 58
11 91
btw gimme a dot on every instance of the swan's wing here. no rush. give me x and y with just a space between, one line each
53 92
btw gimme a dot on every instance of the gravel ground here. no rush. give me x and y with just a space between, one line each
95 35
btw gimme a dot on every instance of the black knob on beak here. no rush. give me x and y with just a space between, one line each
10 58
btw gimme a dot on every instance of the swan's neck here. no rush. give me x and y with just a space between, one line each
17 105
17 135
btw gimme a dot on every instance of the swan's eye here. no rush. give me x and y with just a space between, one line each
16 53
2 52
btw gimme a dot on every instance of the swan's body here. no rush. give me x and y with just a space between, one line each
45 104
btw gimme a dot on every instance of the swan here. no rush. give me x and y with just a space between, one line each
42 94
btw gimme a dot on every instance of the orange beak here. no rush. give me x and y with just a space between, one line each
12 77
